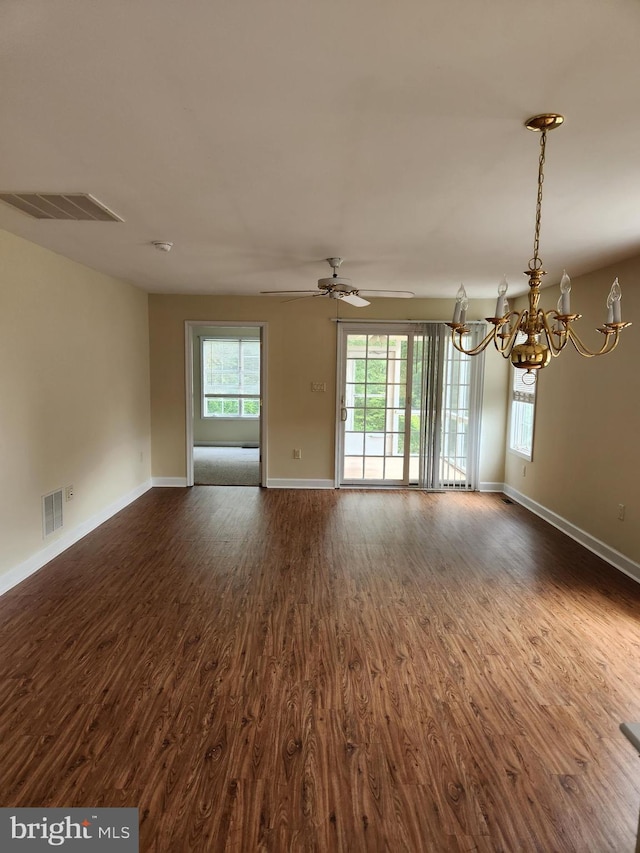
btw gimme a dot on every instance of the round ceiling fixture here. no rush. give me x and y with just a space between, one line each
162 245
545 121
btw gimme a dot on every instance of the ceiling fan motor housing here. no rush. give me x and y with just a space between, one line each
335 283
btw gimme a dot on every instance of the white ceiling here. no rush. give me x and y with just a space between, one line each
262 136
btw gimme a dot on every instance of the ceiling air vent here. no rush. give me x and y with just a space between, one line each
74 206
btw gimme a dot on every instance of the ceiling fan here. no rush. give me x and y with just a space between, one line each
336 287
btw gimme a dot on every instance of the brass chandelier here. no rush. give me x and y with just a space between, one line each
547 332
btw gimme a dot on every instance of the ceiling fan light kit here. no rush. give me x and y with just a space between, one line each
547 332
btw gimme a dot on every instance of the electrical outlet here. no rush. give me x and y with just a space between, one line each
297 454
621 509
68 493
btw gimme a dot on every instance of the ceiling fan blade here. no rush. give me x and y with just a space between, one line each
281 292
354 299
298 298
394 294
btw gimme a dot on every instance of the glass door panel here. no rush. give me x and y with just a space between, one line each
375 408
456 416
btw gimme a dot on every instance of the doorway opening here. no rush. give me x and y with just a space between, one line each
225 404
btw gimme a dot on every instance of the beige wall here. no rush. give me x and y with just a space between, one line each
586 456
301 349
74 374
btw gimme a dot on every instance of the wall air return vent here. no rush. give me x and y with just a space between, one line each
51 512
73 206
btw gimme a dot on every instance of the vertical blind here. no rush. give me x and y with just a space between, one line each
450 399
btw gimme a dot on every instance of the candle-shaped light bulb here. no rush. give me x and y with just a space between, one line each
613 303
565 290
558 327
609 308
464 304
460 295
501 302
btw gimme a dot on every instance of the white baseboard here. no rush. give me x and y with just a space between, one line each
300 484
491 487
601 549
22 571
330 484
171 482
254 445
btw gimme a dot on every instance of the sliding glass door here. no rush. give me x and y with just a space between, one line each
375 408
408 408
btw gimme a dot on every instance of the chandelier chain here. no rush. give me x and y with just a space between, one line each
535 263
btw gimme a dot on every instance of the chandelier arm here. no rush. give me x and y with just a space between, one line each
551 335
505 347
500 345
611 338
457 329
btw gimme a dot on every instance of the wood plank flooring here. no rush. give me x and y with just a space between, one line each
327 671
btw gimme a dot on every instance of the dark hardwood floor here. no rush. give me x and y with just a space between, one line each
327 671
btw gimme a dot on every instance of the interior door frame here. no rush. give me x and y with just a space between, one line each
189 326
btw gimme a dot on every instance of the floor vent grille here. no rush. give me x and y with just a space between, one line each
72 206
52 512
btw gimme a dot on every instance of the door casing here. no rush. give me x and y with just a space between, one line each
190 325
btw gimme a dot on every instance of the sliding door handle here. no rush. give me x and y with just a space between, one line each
343 414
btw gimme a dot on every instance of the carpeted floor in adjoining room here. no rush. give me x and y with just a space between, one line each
226 466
